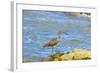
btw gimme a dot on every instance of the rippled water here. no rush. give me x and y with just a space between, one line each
41 26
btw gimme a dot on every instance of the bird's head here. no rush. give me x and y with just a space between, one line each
59 35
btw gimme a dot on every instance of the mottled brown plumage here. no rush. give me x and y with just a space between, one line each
53 42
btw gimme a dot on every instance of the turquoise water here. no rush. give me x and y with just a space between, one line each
41 26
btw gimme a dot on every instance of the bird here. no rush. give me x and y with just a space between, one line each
53 42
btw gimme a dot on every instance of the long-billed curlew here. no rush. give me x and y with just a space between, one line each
53 42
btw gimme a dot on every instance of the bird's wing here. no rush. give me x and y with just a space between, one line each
53 41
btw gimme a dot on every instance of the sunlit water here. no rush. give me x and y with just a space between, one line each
41 26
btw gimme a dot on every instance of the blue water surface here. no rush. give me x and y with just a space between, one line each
41 26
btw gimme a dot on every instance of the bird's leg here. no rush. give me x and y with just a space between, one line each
55 49
52 50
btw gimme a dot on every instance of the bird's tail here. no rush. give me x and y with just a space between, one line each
45 46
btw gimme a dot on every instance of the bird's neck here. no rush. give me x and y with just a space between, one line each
59 37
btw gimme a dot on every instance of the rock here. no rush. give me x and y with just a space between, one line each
80 54
67 56
76 54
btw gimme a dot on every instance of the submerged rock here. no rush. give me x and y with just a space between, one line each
47 59
27 61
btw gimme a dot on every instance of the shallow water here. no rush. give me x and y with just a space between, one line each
41 26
